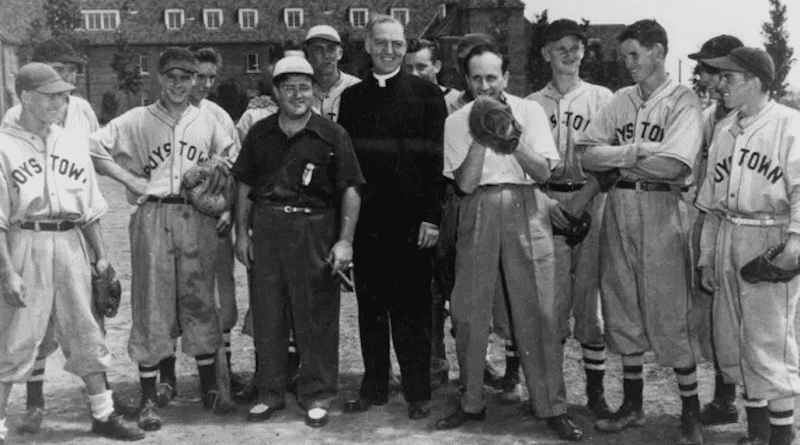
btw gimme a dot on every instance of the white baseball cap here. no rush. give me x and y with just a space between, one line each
293 65
324 32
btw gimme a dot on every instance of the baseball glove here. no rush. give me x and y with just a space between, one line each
607 179
578 228
106 292
761 268
210 186
492 124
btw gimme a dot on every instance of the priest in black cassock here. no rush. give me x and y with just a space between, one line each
396 122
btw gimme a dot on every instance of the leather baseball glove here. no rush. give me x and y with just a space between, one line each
106 292
761 268
578 228
210 186
492 124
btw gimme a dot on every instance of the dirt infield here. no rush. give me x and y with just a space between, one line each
68 421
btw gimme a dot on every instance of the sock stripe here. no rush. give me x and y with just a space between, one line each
685 371
789 421
148 374
595 348
687 387
633 369
204 362
755 403
781 414
143 368
592 361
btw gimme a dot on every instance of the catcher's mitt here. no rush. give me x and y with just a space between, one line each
492 124
578 228
202 182
106 292
607 179
761 268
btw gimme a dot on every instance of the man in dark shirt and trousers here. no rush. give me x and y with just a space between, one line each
397 122
298 191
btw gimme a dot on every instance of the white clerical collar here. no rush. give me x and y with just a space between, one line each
382 78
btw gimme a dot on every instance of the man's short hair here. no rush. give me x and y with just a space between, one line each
483 48
647 32
416 45
208 55
378 19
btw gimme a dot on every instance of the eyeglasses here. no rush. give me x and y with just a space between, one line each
295 89
397 45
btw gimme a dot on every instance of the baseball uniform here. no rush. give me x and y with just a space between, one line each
577 268
259 108
750 191
49 181
173 245
646 270
327 103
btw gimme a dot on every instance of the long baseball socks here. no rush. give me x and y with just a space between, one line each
630 412
147 379
594 363
35 385
781 421
208 383
758 428
168 382
691 430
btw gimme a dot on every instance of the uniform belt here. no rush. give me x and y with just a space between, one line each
172 199
762 222
651 186
59 226
564 186
292 209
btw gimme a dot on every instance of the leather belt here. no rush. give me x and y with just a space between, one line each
564 186
651 186
761 222
292 209
172 199
59 226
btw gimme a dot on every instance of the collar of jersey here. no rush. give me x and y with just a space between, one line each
662 89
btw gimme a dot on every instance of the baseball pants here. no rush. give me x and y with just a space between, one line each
55 269
504 235
173 253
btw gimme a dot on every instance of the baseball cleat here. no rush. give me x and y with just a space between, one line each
116 428
719 413
691 430
148 417
166 393
625 417
32 421
565 428
596 402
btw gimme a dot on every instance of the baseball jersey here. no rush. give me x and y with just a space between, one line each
569 115
255 113
499 168
753 166
148 142
224 119
451 99
709 127
47 180
327 103
668 122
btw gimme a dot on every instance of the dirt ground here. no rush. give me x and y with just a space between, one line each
68 420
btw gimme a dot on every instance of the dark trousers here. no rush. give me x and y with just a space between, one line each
393 289
292 279
444 265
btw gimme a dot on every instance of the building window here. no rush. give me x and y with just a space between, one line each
100 19
212 18
251 63
145 101
442 10
293 17
359 17
143 70
173 18
400 14
248 18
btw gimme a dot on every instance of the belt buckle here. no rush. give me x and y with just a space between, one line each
36 226
287 209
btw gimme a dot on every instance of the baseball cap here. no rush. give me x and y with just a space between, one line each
469 41
175 57
41 77
56 50
719 46
293 65
559 29
324 32
755 61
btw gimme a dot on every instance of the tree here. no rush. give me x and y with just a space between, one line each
777 45
538 68
61 19
125 63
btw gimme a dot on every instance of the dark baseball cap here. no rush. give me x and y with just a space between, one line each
176 57
469 41
56 50
41 77
755 61
561 28
719 46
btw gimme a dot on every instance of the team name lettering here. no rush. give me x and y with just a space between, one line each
649 132
754 161
161 153
574 120
58 164
27 170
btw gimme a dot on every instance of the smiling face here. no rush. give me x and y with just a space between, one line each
294 93
420 64
386 45
45 108
324 56
206 77
642 62
736 89
710 79
564 55
176 85
486 76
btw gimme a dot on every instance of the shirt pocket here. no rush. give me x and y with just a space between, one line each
316 169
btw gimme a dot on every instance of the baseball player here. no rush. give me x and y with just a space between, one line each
173 245
570 104
76 115
50 208
505 239
721 409
751 193
651 132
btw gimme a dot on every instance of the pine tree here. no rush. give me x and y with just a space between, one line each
776 43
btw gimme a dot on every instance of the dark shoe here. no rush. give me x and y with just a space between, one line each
459 418
31 421
565 428
596 402
238 383
492 377
419 410
165 393
362 404
317 417
261 412
752 441
213 401
116 428
719 413
782 439
148 418
247 395
625 417
691 430
125 407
